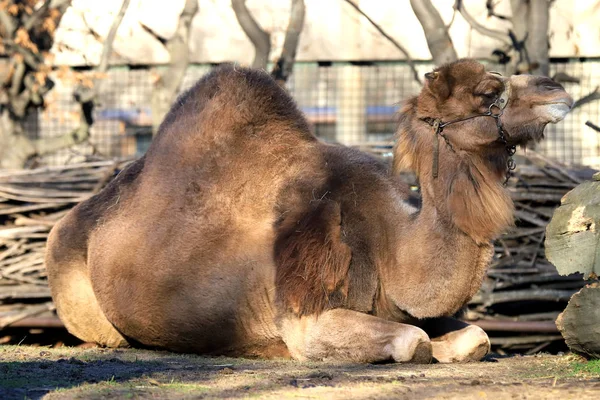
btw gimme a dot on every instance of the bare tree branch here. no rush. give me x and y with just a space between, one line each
259 38
565 78
17 77
284 65
86 95
409 60
491 8
32 59
169 81
110 38
588 98
451 22
438 40
35 17
8 22
60 5
498 35
593 126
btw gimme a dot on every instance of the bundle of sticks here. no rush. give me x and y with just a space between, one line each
31 202
523 293
517 304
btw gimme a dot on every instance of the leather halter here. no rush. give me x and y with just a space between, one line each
495 111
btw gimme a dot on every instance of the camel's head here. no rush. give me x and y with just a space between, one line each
464 88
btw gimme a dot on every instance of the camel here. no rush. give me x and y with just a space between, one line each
240 233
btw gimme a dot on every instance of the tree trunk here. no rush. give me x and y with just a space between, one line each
259 38
438 40
537 40
169 82
16 148
25 91
530 21
284 65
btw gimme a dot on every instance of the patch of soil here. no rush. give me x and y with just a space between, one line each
69 373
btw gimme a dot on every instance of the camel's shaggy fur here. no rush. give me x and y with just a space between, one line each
240 233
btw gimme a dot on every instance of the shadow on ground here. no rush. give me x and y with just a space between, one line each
35 372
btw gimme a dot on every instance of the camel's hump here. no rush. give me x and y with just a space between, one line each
233 98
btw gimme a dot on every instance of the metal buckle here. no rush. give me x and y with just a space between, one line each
498 106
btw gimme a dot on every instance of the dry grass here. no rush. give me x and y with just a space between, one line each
65 373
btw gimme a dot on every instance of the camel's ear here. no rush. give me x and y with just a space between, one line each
312 261
430 76
437 84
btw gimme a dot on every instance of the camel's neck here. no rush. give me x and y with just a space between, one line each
443 252
461 182
467 196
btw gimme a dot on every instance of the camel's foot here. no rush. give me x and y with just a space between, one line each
412 345
468 344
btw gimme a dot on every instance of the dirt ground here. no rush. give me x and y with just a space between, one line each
69 373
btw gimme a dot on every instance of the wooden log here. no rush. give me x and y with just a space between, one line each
31 207
489 299
573 234
24 292
38 322
25 313
579 324
516 326
516 340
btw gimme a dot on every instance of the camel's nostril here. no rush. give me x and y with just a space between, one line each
548 84
553 88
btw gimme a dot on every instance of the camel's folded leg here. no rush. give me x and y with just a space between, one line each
71 287
345 335
456 341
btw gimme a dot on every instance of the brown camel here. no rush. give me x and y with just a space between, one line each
240 233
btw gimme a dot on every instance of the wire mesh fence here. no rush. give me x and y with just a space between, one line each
350 103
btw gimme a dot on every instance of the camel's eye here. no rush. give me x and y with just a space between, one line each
489 95
487 90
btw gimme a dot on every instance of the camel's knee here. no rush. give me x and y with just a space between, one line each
412 344
468 344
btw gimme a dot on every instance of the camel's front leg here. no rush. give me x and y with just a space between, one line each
345 335
456 341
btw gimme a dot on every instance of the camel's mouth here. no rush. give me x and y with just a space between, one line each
554 111
548 112
566 103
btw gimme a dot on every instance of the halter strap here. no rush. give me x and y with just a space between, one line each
498 104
